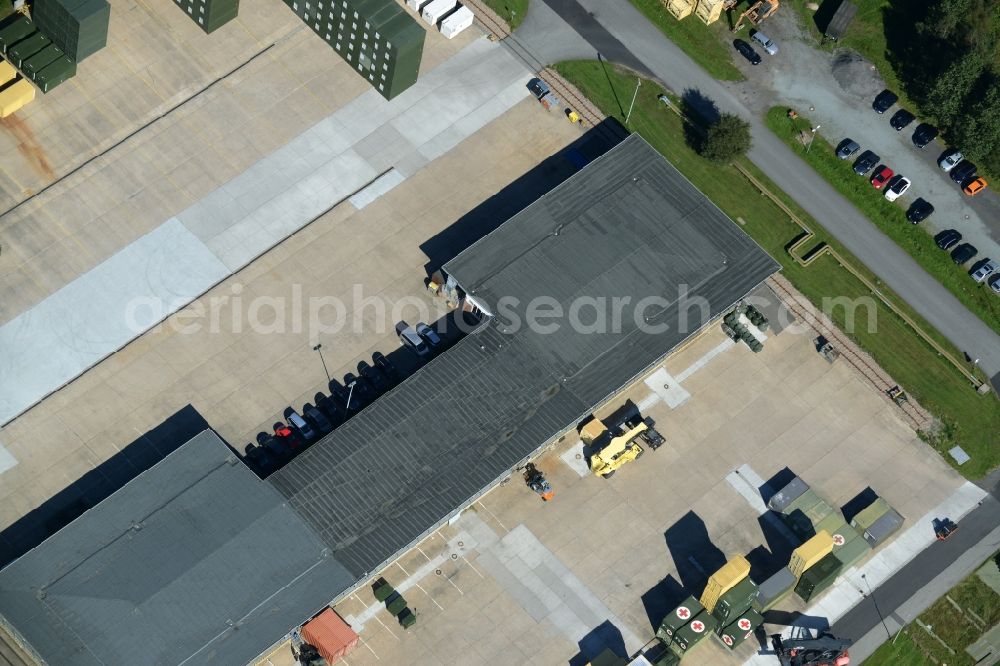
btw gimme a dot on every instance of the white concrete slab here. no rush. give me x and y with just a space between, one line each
100 312
573 457
378 187
7 459
667 388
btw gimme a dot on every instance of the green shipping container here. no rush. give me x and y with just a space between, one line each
58 72
834 524
735 601
852 550
677 618
14 32
26 48
803 502
740 629
41 60
818 578
693 633
868 516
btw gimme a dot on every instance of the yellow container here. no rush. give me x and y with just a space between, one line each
723 580
810 553
7 72
680 8
709 11
16 96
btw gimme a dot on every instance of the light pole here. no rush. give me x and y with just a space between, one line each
319 348
349 394
813 130
878 610
638 82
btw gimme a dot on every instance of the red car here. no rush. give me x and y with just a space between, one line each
881 177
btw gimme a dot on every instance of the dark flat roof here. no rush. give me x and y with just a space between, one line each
196 559
629 226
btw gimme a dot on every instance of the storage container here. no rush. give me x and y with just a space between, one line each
818 577
12 33
416 5
58 72
773 590
883 527
693 633
332 637
14 96
735 601
853 549
809 553
803 502
461 19
677 618
723 580
680 8
740 629
41 60
26 48
7 73
792 491
436 10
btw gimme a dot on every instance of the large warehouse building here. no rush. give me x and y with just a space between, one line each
197 561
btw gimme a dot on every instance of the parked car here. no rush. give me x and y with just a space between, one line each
298 423
975 186
765 42
374 376
897 188
884 101
538 88
983 269
389 371
316 418
947 239
949 159
411 340
924 134
259 459
994 283
846 148
747 51
963 253
919 211
901 119
429 335
360 389
881 177
963 171
277 447
333 410
866 162
289 439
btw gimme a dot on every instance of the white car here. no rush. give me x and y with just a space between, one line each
951 157
897 188
995 283
766 42
983 270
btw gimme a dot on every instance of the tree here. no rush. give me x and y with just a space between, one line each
726 139
977 132
948 93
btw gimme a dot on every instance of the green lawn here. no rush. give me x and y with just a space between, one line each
705 44
919 369
889 217
512 11
956 629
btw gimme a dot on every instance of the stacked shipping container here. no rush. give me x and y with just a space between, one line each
78 27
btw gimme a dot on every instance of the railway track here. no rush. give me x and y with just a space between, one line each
849 351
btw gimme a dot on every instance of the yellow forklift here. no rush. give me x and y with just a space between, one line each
611 444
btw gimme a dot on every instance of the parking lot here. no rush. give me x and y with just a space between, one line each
517 580
239 375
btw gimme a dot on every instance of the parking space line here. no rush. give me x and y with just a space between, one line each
386 627
479 502
433 600
472 566
365 643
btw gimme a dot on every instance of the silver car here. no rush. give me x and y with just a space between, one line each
984 269
766 42
951 157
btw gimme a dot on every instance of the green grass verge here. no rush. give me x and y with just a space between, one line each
511 11
705 44
955 628
889 217
973 419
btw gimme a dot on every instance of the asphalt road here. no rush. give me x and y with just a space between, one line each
623 25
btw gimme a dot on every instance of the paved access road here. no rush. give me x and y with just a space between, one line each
623 24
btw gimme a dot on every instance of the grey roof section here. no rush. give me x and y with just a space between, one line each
195 561
629 225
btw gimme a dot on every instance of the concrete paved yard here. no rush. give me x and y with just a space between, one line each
240 379
515 580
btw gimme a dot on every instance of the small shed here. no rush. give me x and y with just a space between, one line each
840 20
331 636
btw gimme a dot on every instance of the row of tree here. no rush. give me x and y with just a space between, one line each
947 52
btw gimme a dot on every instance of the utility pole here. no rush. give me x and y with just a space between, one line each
638 82
319 348
349 394
813 138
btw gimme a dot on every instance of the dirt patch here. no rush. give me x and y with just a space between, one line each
855 75
28 146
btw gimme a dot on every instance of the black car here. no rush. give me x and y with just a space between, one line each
363 393
375 376
866 162
947 239
846 148
316 418
901 119
259 459
963 253
963 171
747 51
924 134
333 410
919 211
884 101
389 371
